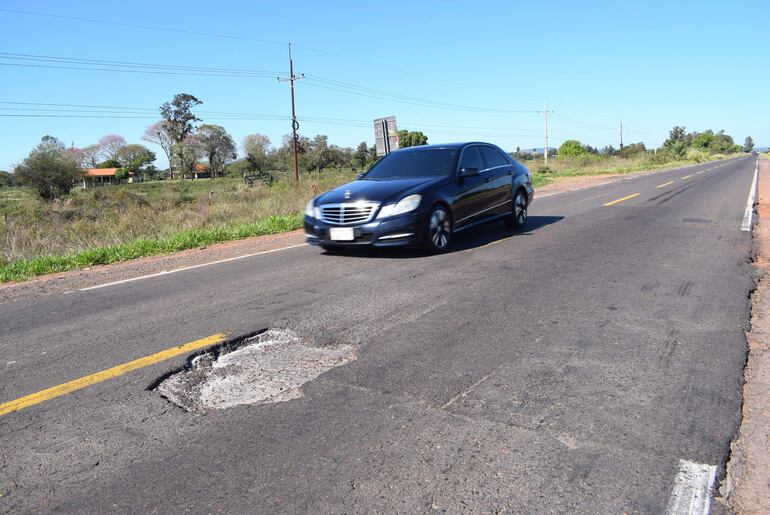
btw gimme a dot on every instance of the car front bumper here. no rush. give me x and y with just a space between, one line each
396 231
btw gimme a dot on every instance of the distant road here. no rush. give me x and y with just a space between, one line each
576 366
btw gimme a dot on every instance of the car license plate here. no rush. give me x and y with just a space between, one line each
341 233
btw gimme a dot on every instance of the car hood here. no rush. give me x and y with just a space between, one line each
378 190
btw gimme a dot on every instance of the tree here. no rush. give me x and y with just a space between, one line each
257 148
320 155
632 149
49 169
411 139
109 145
361 156
676 134
186 155
91 156
133 159
8 180
217 147
609 150
158 134
178 123
748 144
178 116
571 148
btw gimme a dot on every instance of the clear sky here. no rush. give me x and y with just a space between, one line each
466 68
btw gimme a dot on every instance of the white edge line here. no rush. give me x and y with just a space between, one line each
691 493
749 213
166 272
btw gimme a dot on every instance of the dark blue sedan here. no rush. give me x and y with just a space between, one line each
421 196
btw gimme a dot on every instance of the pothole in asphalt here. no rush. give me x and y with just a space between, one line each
269 367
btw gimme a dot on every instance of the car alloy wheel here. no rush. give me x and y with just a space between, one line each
439 229
518 215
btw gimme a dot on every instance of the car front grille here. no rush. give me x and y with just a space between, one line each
350 213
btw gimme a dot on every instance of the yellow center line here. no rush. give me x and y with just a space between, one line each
664 184
98 377
686 177
698 173
621 199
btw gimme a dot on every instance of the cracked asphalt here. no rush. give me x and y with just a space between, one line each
567 367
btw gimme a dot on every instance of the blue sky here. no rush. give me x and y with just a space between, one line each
650 65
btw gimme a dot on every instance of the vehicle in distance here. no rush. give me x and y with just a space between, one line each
421 196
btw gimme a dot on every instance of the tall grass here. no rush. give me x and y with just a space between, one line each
113 223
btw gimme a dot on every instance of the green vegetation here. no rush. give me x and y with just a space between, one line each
597 164
411 138
113 223
49 169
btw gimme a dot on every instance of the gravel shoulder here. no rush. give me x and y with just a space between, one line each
747 486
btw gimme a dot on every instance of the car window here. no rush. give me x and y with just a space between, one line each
414 162
493 157
472 159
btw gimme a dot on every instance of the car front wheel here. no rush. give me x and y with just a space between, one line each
439 230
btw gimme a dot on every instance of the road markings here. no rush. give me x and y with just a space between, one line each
98 377
698 173
621 199
665 184
749 213
166 272
692 489
686 177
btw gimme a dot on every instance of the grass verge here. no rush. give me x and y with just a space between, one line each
188 239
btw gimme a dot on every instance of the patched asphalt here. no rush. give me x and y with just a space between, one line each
567 367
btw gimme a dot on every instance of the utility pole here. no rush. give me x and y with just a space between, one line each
621 135
545 118
294 123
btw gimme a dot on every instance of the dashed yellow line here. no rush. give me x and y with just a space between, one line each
686 177
98 377
621 199
664 184
698 173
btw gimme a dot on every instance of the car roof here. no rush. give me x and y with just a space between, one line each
456 145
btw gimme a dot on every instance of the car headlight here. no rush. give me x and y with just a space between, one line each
404 205
311 210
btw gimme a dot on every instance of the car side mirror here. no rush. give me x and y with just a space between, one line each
469 172
360 176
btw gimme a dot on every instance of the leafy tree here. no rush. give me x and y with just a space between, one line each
632 149
109 145
8 180
361 155
186 155
49 169
217 146
133 159
178 116
179 124
320 155
411 139
676 134
609 150
571 148
748 144
109 163
678 149
257 148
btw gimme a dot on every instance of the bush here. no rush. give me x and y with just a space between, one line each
49 169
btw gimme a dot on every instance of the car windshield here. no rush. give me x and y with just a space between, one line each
428 162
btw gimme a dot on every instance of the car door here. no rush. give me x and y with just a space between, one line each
499 178
469 196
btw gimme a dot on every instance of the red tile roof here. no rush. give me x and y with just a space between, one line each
101 172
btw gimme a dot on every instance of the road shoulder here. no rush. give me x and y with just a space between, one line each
746 488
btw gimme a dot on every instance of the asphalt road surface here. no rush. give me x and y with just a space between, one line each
572 366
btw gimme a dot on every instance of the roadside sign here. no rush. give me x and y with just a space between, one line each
385 135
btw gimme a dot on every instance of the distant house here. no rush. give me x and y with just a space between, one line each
99 177
201 171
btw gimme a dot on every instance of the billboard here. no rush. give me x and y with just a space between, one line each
385 135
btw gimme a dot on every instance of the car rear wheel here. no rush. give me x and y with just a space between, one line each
439 230
518 216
